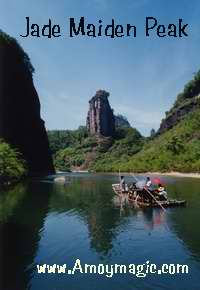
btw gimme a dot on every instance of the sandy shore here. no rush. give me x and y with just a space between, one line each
175 174
179 174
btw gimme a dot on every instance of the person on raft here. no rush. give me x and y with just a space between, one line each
145 192
148 192
148 181
122 184
161 192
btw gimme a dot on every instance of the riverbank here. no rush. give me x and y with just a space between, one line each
178 174
173 173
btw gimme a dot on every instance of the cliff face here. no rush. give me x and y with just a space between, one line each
178 114
100 119
20 121
187 101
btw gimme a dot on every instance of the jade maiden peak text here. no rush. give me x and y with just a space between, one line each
80 27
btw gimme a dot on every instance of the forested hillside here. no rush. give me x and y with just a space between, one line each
175 147
77 149
178 149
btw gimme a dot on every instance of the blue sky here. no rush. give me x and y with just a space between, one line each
142 75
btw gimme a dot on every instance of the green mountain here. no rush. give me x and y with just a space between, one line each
175 147
178 149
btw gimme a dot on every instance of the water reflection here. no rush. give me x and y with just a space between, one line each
9 200
23 210
93 202
185 222
44 221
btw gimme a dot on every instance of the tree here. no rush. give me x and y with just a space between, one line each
12 167
81 133
175 145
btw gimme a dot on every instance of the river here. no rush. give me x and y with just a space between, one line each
42 222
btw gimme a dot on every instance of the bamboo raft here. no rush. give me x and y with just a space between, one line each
140 203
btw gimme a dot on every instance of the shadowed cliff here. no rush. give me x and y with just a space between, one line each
20 121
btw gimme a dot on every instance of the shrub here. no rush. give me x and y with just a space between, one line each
12 167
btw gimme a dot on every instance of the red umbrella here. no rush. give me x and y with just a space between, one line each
157 181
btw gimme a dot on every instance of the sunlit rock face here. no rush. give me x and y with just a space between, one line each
100 119
20 121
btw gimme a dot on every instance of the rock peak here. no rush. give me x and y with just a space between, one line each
100 94
100 119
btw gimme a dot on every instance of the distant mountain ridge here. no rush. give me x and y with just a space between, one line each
121 122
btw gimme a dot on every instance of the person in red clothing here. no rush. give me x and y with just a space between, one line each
161 192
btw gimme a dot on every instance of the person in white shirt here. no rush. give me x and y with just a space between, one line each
122 184
148 182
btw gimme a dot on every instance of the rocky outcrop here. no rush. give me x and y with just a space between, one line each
121 122
20 121
176 115
100 119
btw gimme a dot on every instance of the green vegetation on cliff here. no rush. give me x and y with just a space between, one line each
190 92
12 167
78 149
60 139
178 149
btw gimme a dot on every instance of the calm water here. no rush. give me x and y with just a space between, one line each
42 222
